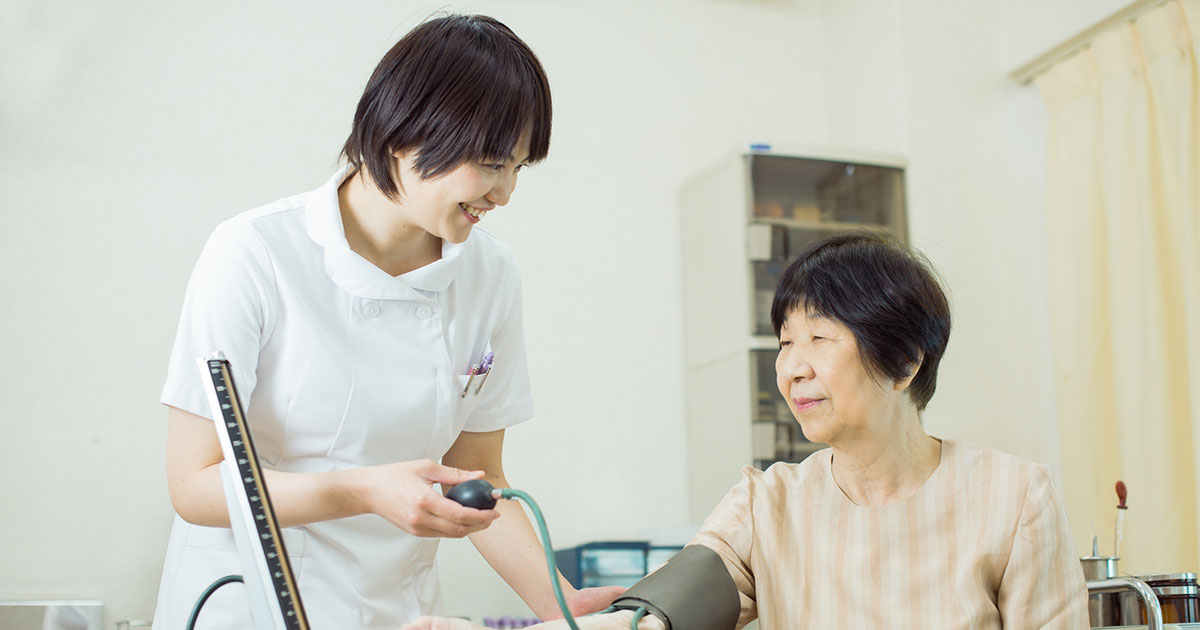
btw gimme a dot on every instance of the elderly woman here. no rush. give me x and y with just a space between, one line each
889 527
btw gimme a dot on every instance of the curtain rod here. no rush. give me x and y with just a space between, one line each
1033 69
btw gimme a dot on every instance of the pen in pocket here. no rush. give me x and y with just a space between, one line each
470 377
486 369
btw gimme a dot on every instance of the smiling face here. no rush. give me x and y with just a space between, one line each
831 393
449 205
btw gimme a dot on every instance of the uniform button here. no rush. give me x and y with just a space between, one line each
371 310
424 312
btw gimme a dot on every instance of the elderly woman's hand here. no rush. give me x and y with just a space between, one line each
440 623
612 621
581 602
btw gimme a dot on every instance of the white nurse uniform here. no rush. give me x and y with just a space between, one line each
340 365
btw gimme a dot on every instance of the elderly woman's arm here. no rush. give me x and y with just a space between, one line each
729 531
1043 583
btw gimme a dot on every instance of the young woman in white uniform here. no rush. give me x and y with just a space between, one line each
351 316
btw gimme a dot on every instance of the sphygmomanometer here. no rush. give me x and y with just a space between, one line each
692 591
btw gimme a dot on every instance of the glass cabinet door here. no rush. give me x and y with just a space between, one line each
796 202
775 434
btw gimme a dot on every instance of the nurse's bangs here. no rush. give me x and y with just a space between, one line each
456 89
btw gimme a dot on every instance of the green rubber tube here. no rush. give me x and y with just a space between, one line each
511 493
637 616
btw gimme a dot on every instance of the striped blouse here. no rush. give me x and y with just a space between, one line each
983 544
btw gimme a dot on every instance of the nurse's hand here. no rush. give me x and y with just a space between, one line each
403 494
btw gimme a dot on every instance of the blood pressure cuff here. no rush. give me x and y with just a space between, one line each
692 591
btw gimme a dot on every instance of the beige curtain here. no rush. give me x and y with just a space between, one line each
1124 238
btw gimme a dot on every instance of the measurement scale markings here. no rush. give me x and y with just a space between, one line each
247 463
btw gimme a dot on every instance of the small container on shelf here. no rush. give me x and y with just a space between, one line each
806 212
769 208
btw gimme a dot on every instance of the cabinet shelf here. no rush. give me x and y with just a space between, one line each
822 226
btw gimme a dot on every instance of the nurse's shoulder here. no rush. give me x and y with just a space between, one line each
288 228
235 272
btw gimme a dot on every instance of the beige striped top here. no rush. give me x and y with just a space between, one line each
983 544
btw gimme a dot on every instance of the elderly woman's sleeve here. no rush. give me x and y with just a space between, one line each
729 531
1043 584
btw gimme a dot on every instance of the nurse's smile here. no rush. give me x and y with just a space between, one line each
473 214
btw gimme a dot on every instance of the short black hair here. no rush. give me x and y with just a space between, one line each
887 294
455 89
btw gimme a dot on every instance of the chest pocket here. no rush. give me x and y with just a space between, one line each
469 390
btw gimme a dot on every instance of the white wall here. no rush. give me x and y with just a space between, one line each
128 130
928 79
1029 28
975 193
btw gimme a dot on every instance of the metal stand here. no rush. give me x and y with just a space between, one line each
1149 599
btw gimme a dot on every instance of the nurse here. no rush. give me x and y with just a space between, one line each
352 316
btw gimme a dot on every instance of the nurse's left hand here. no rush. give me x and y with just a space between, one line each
403 493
